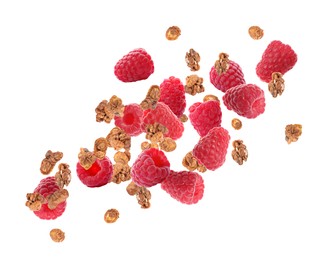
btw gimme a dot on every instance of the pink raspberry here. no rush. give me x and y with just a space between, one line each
205 116
134 66
246 100
48 186
163 115
150 168
131 121
173 95
277 57
231 78
99 174
211 149
184 186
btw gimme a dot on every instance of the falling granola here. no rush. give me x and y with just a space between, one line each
57 235
192 59
111 215
240 153
293 132
194 85
236 123
151 99
49 161
118 139
173 33
63 176
222 64
255 32
277 85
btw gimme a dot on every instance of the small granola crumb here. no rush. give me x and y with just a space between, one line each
277 85
201 168
190 162
100 148
194 85
63 176
118 139
293 132
151 99
168 144
56 198
143 196
111 215
49 161
57 235
122 157
192 60
221 65
102 112
34 201
86 158
154 132
183 118
121 173
236 123
240 153
210 97
255 32
132 188
173 33
145 145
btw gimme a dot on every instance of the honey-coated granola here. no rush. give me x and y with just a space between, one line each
222 64
240 153
151 99
173 33
191 163
86 158
277 85
192 59
255 32
57 235
236 123
194 85
118 139
293 132
48 163
63 176
111 215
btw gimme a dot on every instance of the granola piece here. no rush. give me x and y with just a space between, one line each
255 32
277 85
103 114
86 158
168 144
49 161
183 118
57 235
210 97
143 196
240 153
191 163
194 85
236 123
121 173
122 157
100 148
56 198
118 139
111 215
132 188
115 106
192 60
63 176
293 132
145 145
173 33
221 65
35 201
155 132
151 99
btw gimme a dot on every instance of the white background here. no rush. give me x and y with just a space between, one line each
56 65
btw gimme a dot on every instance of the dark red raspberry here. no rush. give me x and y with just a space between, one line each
163 115
132 120
231 78
99 174
277 57
134 66
48 186
211 149
173 95
205 116
184 186
150 168
246 100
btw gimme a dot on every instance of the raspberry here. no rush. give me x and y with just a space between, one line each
277 57
48 186
184 186
131 121
150 168
212 148
134 66
205 116
99 174
246 100
163 115
173 95
231 78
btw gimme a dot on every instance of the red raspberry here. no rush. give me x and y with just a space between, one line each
246 100
132 120
277 57
211 149
163 115
99 174
186 187
231 78
150 168
134 66
48 186
205 116
173 95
